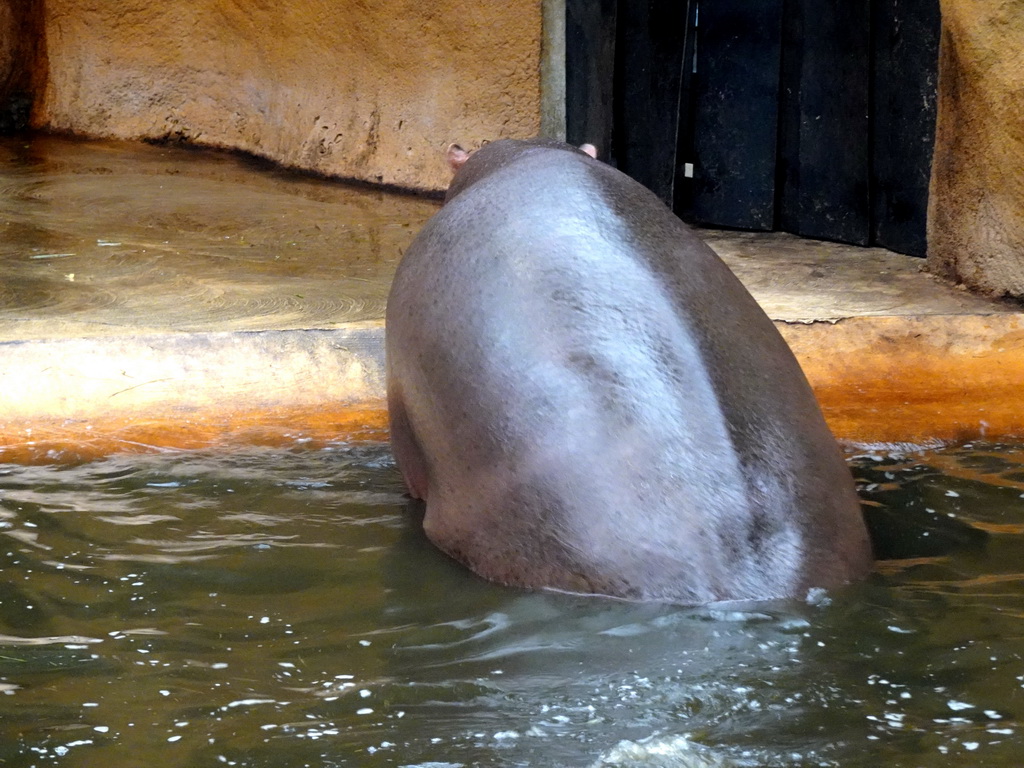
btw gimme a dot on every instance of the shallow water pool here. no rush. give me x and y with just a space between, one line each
280 608
101 238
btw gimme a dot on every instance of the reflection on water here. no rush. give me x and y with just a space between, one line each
279 608
112 235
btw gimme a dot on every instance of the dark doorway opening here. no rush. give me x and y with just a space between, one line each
797 115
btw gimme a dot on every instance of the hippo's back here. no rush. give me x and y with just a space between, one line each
598 405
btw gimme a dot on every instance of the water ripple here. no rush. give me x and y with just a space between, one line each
281 608
61 640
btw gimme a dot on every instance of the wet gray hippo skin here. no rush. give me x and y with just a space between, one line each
588 400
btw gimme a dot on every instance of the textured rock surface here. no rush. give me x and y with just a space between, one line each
365 89
976 206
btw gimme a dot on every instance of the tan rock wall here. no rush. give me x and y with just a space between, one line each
976 206
366 89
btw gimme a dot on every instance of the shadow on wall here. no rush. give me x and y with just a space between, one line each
22 61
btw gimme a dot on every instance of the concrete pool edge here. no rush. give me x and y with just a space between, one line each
915 379
88 397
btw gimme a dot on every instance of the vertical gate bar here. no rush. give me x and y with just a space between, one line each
824 173
649 53
590 72
905 51
737 95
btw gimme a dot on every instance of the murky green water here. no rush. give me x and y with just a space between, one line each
279 608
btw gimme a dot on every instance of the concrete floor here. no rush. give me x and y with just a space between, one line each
797 280
158 298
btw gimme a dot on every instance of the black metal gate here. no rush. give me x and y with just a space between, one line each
811 117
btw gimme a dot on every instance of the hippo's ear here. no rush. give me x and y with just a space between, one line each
456 157
589 149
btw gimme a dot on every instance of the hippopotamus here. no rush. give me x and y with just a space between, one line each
588 400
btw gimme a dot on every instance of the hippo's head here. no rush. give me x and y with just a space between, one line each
470 167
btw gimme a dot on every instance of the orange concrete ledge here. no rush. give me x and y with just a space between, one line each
916 379
50 440
79 398
880 380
